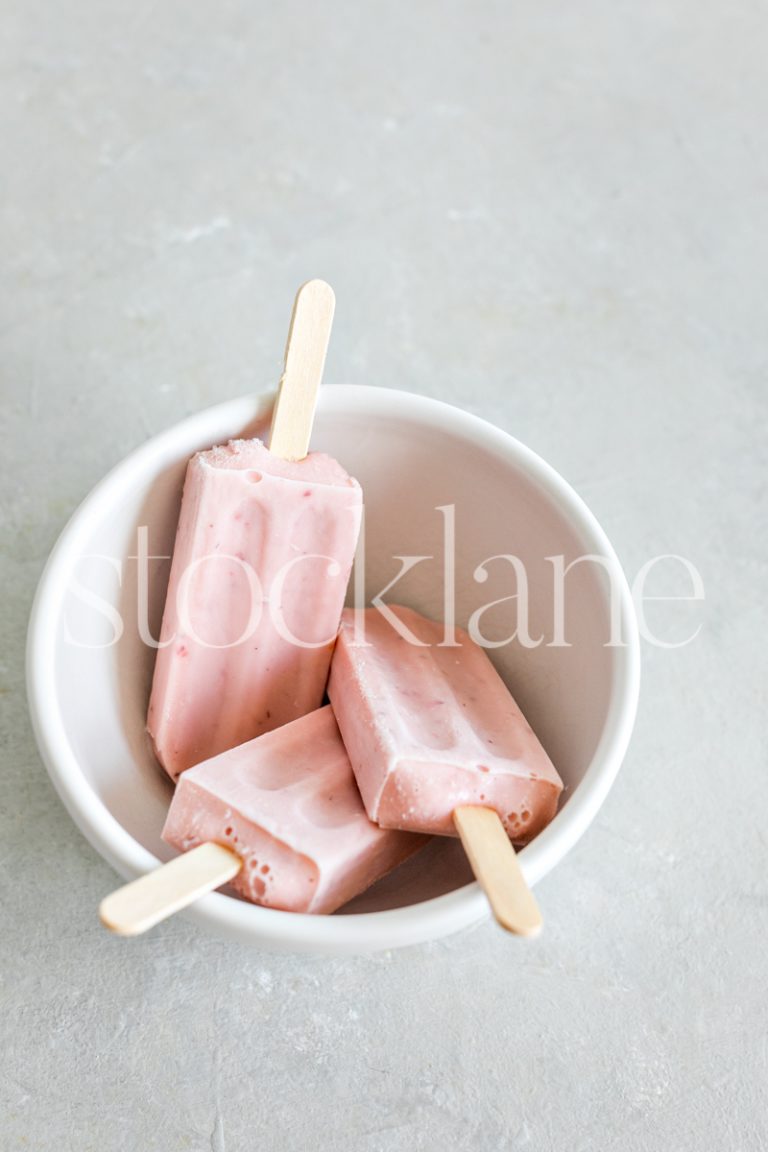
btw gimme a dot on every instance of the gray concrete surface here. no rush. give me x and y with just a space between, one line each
555 215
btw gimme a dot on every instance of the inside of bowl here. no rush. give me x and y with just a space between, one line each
429 491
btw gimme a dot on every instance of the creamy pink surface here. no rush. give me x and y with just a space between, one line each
219 680
428 728
287 803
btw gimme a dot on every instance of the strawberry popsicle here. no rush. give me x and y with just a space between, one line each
288 806
263 551
431 729
259 573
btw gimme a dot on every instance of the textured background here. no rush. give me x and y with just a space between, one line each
554 215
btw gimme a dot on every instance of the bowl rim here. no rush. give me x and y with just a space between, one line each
356 932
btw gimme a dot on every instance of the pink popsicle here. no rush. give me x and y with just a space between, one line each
288 805
260 567
430 729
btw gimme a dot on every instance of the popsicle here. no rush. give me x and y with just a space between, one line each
280 817
438 745
263 551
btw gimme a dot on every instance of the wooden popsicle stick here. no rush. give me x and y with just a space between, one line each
143 903
497 869
308 337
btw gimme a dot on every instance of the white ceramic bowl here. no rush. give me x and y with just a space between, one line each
412 456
